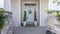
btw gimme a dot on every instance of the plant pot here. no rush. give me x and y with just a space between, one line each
35 23
24 23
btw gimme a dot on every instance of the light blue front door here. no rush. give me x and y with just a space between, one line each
30 13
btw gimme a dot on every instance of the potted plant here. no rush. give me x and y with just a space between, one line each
1 18
35 18
24 23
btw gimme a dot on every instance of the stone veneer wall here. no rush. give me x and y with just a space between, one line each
7 29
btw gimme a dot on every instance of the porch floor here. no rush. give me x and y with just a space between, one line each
30 30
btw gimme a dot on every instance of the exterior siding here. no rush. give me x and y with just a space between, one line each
15 7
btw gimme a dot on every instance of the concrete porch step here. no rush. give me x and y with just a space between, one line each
29 30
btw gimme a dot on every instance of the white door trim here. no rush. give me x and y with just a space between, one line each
36 9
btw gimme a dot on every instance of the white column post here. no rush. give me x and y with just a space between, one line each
43 14
20 12
7 5
50 5
1 3
40 11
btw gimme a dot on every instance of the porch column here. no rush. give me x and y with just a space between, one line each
7 5
20 12
1 3
16 9
43 14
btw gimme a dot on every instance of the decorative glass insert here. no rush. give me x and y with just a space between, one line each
30 4
30 11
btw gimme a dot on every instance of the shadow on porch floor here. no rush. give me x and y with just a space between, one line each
30 30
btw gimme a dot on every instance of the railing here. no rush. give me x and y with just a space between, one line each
7 29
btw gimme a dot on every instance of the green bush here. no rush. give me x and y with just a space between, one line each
48 11
1 18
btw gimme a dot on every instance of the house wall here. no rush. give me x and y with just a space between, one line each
16 9
43 14
16 16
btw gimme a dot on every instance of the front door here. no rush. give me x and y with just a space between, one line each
30 9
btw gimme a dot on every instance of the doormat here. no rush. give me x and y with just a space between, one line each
30 25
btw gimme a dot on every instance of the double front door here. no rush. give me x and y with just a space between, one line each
30 8
30 13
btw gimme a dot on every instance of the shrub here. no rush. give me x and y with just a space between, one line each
1 18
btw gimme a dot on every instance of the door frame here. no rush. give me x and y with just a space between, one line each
37 12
